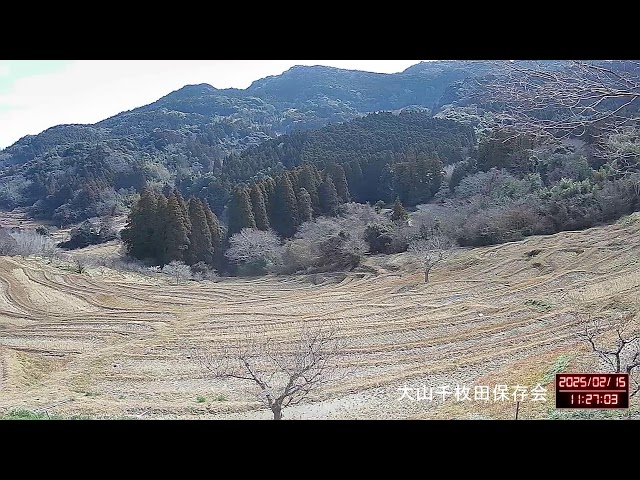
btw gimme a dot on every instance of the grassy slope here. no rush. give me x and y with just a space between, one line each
114 344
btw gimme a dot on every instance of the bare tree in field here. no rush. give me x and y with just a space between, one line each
431 251
283 373
622 355
178 270
80 263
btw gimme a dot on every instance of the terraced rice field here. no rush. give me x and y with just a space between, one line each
116 344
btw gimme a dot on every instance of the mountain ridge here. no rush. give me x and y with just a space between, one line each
192 129
205 88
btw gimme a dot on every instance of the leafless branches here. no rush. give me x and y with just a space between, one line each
431 251
622 355
283 372
178 270
80 263
251 245
8 244
567 101
28 242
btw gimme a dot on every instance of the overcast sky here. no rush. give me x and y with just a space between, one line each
38 94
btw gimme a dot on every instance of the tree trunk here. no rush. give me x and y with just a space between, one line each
277 412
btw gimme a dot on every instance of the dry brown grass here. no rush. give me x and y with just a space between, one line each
117 343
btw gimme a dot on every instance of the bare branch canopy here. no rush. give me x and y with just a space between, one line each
283 372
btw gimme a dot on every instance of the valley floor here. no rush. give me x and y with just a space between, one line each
116 344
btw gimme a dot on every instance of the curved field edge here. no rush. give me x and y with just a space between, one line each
108 344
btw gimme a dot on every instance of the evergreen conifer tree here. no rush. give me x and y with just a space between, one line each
240 212
305 207
217 234
184 207
200 246
259 208
328 195
138 234
268 189
284 219
399 214
176 234
308 179
160 230
340 181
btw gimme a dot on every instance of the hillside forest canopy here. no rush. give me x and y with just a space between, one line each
313 177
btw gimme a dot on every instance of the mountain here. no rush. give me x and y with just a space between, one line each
57 173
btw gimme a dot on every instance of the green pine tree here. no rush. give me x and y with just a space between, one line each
268 189
399 214
240 212
385 184
259 208
308 179
200 246
176 235
355 181
284 218
138 234
184 207
305 207
293 178
217 234
340 181
160 231
328 195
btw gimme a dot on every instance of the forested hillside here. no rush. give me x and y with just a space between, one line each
71 172
283 184
505 150
381 157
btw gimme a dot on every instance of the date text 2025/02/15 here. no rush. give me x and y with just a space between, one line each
592 390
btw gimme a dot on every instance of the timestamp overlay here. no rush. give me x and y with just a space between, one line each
592 390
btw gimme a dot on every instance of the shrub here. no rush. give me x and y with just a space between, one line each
178 270
28 242
617 198
90 232
201 271
42 230
502 224
379 238
8 244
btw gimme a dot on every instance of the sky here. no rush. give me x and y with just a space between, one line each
38 94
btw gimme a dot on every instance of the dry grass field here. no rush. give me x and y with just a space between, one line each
108 344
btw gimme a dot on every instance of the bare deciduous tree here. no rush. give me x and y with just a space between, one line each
178 270
28 242
253 245
431 251
622 355
283 373
578 95
80 263
600 98
106 226
333 243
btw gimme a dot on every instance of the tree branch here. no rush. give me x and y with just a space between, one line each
284 377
